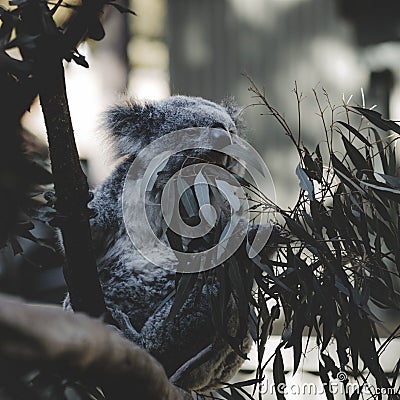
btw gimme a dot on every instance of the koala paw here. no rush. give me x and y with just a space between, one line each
125 326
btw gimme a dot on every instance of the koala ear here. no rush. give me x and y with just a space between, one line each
127 125
233 110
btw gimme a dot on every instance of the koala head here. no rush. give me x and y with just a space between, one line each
134 125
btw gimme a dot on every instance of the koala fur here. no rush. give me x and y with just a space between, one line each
138 294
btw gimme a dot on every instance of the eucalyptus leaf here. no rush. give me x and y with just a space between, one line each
185 287
356 157
279 375
391 180
236 151
355 132
202 191
305 182
187 198
229 193
376 118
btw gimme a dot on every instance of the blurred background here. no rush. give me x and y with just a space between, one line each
205 48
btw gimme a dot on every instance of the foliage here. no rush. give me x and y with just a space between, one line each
343 252
337 253
32 42
17 383
25 28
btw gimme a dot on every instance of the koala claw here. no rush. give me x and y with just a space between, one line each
125 326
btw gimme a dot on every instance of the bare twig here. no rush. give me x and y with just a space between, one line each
274 112
321 114
299 98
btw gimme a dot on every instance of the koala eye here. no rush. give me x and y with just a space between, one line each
218 125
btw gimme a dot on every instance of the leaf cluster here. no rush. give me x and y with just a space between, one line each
31 28
341 265
336 266
20 383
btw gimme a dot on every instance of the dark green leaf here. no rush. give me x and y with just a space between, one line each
380 293
122 9
382 153
384 188
302 234
96 30
391 180
376 119
185 287
266 268
295 339
319 156
355 132
17 248
23 41
224 394
356 157
241 296
235 394
313 168
356 394
305 182
338 165
329 364
341 222
389 237
80 60
187 198
323 374
248 382
279 375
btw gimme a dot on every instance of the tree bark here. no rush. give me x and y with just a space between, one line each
71 188
70 183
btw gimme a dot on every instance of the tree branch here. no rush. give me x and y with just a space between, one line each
85 19
47 77
75 344
70 183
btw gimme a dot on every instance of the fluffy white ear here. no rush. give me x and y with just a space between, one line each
232 108
128 126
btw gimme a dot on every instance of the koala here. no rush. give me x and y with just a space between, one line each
139 295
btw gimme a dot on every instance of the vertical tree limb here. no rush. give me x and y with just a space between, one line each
72 191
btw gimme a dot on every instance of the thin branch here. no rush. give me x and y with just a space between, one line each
299 98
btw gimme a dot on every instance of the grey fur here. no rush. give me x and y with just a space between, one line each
134 289
134 124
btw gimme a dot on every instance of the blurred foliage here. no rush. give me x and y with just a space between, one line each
30 240
17 382
26 29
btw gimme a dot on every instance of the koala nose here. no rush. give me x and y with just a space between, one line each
220 134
